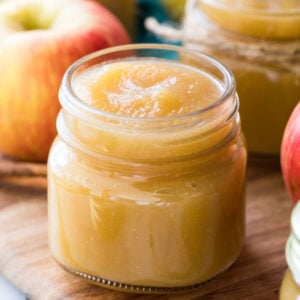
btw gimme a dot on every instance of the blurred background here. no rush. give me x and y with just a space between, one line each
132 13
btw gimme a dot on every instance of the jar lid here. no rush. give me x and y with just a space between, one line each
293 244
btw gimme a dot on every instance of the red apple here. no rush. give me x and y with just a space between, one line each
39 39
290 154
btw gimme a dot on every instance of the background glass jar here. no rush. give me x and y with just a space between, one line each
290 288
147 204
260 42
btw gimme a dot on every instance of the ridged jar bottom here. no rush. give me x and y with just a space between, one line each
131 288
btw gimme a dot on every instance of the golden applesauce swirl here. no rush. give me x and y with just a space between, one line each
147 89
151 95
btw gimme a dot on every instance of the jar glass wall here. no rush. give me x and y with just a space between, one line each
148 204
259 41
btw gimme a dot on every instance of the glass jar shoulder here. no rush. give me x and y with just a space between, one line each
218 182
76 168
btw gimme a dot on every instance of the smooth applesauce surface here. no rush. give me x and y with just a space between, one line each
147 89
142 213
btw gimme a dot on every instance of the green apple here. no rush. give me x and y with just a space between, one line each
39 39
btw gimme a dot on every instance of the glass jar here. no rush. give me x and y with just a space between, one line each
290 287
148 205
259 40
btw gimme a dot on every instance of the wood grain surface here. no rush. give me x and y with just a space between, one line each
26 260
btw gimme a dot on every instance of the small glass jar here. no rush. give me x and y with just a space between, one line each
150 205
259 40
290 287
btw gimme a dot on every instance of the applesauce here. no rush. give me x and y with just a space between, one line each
259 41
289 290
146 179
290 286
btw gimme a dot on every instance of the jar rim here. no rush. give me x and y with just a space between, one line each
79 107
265 8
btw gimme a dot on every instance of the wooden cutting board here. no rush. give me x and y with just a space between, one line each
26 261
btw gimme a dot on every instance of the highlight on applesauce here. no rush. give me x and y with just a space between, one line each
146 178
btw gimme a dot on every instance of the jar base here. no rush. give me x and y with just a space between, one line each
138 289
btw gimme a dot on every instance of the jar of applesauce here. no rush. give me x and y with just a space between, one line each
290 287
259 40
146 179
